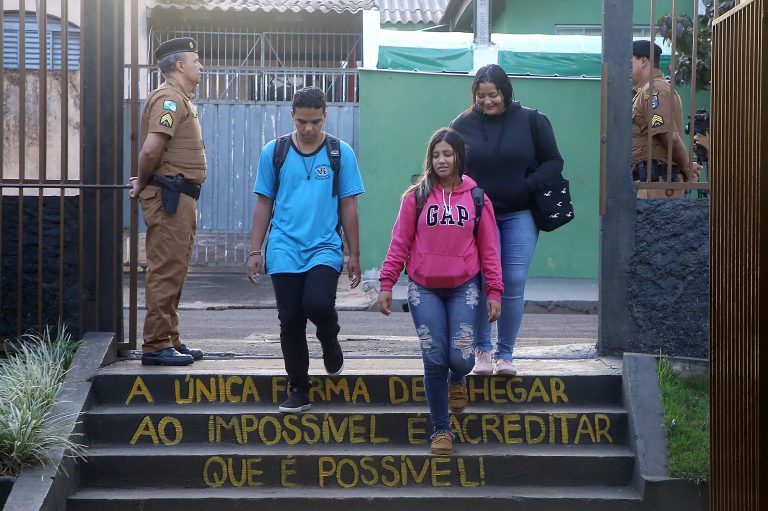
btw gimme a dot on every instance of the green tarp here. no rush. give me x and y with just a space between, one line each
458 60
520 54
555 64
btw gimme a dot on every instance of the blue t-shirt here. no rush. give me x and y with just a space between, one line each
306 213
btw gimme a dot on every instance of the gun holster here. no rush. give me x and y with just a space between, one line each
172 187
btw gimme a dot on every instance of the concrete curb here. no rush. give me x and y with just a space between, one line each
530 307
648 440
542 295
47 488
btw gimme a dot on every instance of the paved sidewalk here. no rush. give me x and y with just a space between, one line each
227 316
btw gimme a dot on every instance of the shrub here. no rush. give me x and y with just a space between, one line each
30 383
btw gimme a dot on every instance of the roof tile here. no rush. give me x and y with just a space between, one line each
322 6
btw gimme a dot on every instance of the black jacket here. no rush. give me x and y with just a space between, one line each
510 155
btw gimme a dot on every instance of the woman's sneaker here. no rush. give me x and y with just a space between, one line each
442 444
505 367
483 364
457 397
297 402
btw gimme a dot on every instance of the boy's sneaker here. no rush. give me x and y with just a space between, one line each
297 402
457 397
333 359
505 367
442 444
483 364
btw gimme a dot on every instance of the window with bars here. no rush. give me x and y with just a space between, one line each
53 42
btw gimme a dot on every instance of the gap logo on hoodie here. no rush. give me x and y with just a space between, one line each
434 218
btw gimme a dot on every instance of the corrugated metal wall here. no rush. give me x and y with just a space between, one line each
739 247
234 134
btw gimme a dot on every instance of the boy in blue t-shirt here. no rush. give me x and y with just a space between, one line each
304 253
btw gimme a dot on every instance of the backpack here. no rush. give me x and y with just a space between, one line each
332 146
477 198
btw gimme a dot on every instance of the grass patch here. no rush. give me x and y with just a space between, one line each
30 383
686 418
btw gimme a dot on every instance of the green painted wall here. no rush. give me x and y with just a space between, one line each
399 112
525 17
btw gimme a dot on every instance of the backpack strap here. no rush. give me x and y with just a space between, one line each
333 147
478 197
282 145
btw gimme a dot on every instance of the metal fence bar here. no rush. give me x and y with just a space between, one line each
739 251
116 165
81 196
694 58
672 71
651 63
2 144
12 185
134 214
42 14
22 159
98 133
64 142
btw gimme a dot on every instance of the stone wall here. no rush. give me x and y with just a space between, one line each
669 278
30 281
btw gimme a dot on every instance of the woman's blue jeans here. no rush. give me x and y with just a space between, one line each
517 239
444 320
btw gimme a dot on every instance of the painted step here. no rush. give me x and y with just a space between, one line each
142 387
340 423
357 466
514 498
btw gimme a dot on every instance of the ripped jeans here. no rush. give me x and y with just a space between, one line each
444 320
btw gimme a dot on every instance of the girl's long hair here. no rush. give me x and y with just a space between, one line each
428 179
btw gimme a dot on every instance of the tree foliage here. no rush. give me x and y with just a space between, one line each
684 43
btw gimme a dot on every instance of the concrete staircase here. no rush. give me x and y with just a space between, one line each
210 438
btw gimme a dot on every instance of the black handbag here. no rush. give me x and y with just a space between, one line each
551 205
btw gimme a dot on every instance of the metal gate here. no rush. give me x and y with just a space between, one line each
61 185
739 256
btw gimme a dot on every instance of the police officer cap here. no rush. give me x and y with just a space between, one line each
180 44
643 49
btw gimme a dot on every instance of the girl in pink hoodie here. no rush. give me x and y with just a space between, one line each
436 238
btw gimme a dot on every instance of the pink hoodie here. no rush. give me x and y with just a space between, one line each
442 252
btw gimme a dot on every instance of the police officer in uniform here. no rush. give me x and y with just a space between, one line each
171 169
656 107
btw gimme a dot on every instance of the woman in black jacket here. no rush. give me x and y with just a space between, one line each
511 150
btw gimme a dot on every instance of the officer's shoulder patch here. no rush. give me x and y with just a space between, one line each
169 104
166 120
657 121
655 100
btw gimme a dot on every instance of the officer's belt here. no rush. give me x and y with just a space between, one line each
177 183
